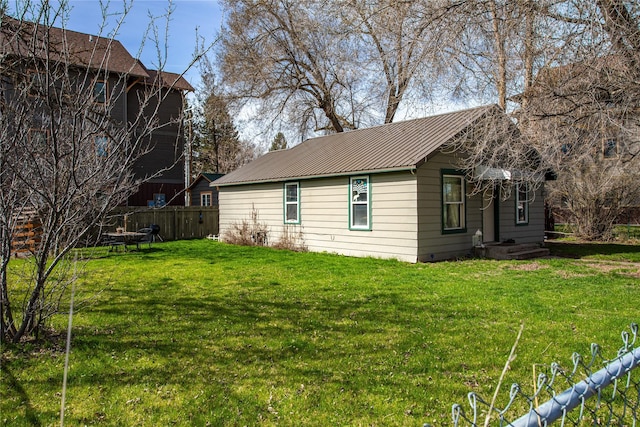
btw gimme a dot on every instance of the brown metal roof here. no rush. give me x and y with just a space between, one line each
394 146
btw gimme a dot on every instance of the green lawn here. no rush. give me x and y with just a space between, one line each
203 333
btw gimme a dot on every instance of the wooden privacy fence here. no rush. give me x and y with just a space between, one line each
27 234
175 222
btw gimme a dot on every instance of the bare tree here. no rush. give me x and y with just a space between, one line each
67 154
582 115
399 43
291 59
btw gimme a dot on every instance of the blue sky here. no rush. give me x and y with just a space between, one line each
189 16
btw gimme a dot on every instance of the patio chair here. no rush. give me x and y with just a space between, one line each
113 243
147 238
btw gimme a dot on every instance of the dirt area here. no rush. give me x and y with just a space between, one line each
628 268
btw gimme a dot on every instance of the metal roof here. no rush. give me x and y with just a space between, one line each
394 146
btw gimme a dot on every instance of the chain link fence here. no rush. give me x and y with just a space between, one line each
596 391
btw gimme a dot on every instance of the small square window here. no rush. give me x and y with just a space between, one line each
159 200
38 137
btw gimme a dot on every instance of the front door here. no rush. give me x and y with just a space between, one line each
490 214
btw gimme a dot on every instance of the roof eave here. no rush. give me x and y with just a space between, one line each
308 177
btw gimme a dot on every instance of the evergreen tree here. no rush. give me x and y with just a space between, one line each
217 145
279 142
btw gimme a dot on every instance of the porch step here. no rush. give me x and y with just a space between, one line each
504 251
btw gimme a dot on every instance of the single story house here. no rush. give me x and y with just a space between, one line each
391 191
200 192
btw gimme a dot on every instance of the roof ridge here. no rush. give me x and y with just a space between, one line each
408 121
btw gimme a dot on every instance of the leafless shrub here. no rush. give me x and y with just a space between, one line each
248 232
292 240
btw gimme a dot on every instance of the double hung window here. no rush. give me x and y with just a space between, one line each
360 203
205 199
292 203
102 146
610 148
453 203
522 203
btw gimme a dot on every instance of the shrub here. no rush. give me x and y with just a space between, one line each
292 240
248 232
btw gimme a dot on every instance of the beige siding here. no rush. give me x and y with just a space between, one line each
324 215
237 204
406 215
434 245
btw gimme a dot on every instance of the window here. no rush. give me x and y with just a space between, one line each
100 92
360 211
292 203
610 148
102 146
37 83
453 203
522 203
159 200
38 137
205 199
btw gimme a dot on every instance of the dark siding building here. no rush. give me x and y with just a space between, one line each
122 81
201 194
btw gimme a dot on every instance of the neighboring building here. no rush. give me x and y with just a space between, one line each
117 81
201 193
391 191
589 107
585 117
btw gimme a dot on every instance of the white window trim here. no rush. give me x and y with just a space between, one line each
525 204
287 203
205 194
353 202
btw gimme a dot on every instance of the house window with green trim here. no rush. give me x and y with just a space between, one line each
292 203
522 203
359 203
453 203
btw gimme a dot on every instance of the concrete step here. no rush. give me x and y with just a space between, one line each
512 251
533 253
